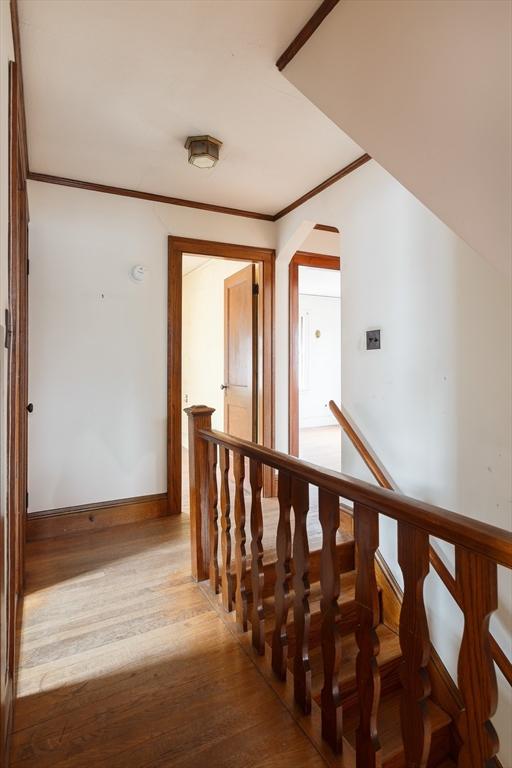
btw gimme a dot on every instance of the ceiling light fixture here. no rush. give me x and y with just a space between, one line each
203 151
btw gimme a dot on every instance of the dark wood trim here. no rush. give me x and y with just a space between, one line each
174 364
300 259
68 521
305 33
216 249
15 24
123 192
12 522
318 260
327 183
486 540
177 246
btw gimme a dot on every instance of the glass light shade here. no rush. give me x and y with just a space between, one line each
203 151
202 161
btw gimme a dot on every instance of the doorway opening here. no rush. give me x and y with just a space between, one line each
220 346
220 357
314 358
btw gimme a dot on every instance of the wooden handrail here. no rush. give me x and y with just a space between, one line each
385 480
478 549
364 449
487 540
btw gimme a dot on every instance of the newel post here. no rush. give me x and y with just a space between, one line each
199 417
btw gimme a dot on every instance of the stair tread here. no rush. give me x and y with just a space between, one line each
270 523
389 652
270 554
388 724
347 594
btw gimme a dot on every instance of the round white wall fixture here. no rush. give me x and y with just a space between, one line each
138 273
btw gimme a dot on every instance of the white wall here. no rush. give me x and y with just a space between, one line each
322 358
320 241
426 89
97 359
435 401
203 338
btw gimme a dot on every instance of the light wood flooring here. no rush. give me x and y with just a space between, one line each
322 446
124 663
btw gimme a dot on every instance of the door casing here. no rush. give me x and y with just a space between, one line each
265 257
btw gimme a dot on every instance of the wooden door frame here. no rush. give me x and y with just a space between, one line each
12 534
300 259
177 246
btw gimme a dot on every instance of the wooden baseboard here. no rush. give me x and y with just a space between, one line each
68 521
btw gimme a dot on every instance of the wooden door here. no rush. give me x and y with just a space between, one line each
240 354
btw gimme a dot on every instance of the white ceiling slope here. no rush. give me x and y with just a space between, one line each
114 87
425 87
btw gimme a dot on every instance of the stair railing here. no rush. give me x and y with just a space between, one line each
385 480
479 548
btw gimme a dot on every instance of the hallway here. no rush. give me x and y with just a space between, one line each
125 663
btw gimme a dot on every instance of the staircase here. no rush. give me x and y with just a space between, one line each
389 661
331 623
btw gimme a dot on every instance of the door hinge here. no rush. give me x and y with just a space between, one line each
28 266
8 329
256 289
26 501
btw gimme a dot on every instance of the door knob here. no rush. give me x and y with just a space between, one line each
30 407
223 386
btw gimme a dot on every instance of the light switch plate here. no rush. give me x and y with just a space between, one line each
373 339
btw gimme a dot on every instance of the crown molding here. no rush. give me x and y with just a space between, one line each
326 228
123 192
327 183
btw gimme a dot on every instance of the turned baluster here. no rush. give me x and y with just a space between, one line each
477 581
301 612
225 536
413 557
283 576
329 512
213 514
199 417
257 573
240 540
366 534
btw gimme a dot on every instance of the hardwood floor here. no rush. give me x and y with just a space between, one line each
321 445
125 663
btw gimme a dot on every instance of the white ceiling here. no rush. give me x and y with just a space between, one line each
114 87
426 87
190 263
